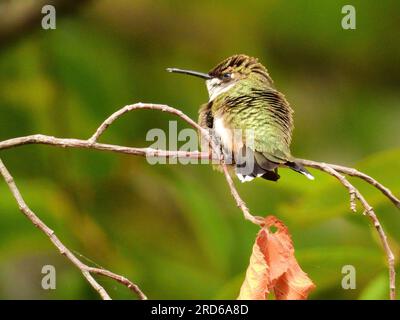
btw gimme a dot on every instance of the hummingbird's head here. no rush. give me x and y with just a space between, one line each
233 70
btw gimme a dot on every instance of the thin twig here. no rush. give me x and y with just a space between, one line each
355 173
86 144
149 152
92 143
204 133
239 201
368 211
149 106
121 279
85 269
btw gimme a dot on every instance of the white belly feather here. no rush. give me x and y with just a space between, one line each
223 133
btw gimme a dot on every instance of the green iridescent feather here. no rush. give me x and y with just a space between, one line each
253 104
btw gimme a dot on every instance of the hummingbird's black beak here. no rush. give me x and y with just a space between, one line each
191 73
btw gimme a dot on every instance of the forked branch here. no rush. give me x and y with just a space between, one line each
92 143
333 170
85 269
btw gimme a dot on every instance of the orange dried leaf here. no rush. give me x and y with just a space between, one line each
274 268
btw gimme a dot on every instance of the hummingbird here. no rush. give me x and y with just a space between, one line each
242 98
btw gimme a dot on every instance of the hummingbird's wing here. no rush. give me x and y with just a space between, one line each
205 121
270 116
205 116
266 119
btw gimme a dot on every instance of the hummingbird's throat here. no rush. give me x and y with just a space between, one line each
216 87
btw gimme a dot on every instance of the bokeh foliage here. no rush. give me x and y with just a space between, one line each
174 229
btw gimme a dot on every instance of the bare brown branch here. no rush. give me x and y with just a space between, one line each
91 143
121 279
86 144
149 106
85 270
368 211
239 201
355 173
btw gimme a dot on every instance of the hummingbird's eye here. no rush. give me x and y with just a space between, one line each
226 76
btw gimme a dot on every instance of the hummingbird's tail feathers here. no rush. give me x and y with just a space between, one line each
267 175
259 169
271 175
299 168
243 178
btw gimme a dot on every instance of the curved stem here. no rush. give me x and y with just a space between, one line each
331 169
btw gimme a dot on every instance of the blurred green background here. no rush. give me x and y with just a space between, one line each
174 229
